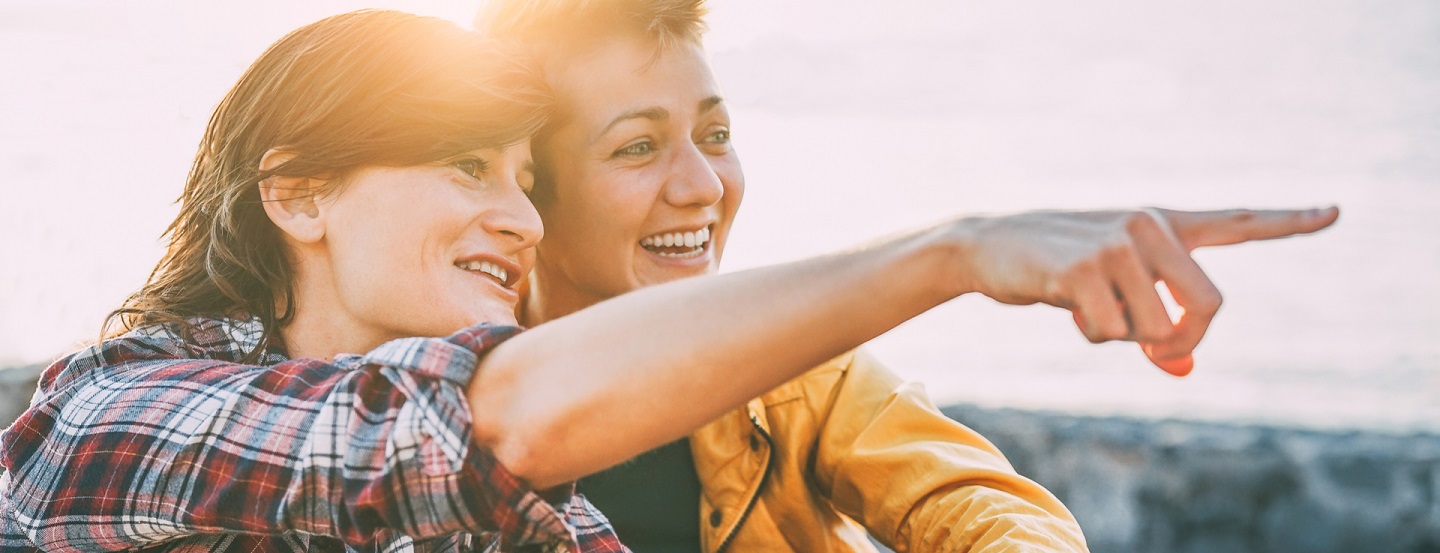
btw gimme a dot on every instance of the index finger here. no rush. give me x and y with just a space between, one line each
1198 229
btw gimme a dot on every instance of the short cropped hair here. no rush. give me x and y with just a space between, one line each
565 24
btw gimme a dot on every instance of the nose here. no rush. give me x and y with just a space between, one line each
694 181
514 217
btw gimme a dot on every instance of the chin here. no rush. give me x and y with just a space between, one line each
504 316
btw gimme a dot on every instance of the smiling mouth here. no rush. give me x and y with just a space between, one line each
678 245
501 276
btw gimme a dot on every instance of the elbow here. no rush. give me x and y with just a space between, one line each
527 424
527 449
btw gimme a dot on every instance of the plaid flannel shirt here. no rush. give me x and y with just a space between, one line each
151 442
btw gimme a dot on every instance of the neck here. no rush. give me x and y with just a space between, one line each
320 331
310 337
543 303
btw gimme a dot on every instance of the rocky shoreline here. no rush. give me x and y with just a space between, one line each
17 384
1178 486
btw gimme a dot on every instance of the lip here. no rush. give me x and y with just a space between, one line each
512 268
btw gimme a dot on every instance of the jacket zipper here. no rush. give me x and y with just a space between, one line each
764 477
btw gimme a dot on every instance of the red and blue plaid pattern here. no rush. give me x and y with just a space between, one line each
149 441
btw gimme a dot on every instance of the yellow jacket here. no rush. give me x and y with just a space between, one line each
848 442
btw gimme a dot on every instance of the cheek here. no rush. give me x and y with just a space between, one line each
733 180
599 215
379 260
734 195
372 269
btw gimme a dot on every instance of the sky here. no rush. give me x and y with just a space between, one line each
855 120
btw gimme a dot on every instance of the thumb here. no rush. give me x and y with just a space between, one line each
1176 366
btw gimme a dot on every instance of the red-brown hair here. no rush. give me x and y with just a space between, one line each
362 88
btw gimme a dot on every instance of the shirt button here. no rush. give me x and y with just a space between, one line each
754 443
715 518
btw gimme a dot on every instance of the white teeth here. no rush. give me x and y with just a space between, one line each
694 239
486 267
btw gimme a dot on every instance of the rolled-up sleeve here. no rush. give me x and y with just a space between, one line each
922 482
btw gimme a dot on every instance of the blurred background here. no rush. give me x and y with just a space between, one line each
855 120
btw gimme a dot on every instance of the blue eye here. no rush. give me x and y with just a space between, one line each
471 166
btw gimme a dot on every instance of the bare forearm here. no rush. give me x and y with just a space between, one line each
634 372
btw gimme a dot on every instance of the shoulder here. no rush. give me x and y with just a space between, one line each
856 368
220 339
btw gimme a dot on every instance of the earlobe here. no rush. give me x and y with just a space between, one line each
290 201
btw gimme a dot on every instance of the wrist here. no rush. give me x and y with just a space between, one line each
950 250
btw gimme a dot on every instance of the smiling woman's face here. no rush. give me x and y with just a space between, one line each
425 250
643 183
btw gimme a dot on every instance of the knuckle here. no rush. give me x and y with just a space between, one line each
1208 303
1155 333
1055 292
1084 268
1115 332
1247 224
1120 252
1142 221
1106 329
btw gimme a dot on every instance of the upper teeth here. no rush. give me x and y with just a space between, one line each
486 267
682 239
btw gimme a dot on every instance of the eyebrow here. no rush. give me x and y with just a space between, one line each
657 114
709 104
653 114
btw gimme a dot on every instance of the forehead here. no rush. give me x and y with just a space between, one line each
619 75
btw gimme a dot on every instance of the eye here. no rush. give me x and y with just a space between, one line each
716 141
719 137
635 150
526 180
475 167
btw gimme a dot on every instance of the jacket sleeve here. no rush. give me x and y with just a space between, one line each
130 443
919 481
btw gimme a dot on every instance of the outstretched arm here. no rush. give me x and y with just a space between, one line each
589 390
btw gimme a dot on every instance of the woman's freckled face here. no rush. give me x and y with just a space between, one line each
422 250
643 181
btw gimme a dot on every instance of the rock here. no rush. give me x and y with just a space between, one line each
17 385
1144 485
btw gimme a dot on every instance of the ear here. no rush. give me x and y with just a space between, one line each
290 202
